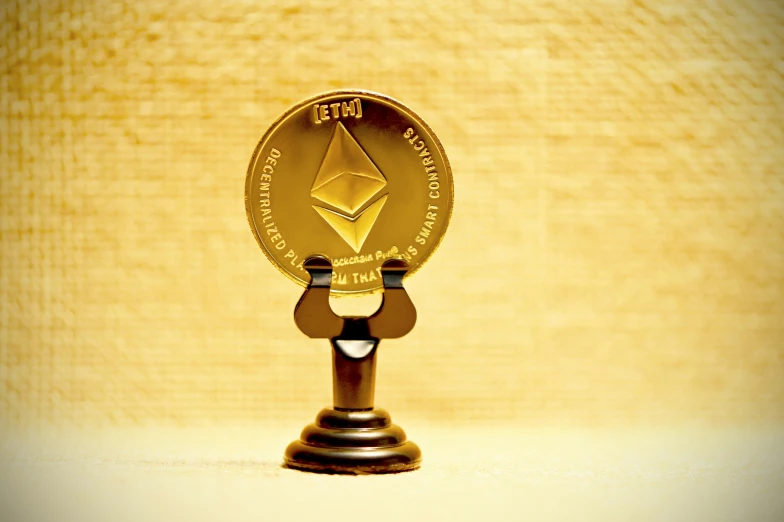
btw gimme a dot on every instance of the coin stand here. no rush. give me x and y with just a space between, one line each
353 436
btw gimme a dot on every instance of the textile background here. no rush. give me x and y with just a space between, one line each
616 251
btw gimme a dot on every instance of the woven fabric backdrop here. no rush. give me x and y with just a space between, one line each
616 252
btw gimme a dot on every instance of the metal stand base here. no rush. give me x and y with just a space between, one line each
355 442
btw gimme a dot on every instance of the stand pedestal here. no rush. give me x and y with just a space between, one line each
353 442
353 437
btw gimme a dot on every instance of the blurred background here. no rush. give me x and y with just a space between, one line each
615 256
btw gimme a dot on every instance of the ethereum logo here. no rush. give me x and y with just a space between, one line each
347 182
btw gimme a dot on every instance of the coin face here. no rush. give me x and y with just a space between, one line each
354 176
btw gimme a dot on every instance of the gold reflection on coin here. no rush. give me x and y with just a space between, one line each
353 176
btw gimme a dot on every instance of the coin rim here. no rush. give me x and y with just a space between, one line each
371 94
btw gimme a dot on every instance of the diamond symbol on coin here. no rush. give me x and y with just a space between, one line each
347 181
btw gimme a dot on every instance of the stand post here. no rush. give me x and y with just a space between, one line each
353 374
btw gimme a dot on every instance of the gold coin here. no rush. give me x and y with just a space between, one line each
354 176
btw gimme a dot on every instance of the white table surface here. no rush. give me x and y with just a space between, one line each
234 473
